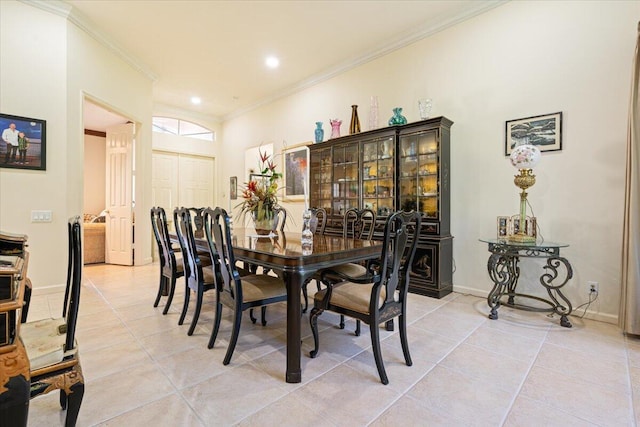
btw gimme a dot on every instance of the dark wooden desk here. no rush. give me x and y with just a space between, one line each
283 253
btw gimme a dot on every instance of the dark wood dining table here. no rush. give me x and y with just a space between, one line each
282 253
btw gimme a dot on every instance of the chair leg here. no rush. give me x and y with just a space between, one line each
305 295
74 400
216 325
253 319
264 315
341 324
196 313
357 332
313 321
160 288
185 306
377 353
172 289
402 320
63 399
237 318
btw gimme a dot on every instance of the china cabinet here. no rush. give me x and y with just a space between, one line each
397 167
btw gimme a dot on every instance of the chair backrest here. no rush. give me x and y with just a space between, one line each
401 233
161 233
281 214
359 224
74 281
190 259
318 220
198 222
217 229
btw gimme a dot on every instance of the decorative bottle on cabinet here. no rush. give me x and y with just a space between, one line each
335 128
354 126
319 132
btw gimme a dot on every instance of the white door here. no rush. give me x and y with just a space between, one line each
164 180
196 181
119 186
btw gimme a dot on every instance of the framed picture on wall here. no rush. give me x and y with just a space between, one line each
24 142
233 187
296 172
545 132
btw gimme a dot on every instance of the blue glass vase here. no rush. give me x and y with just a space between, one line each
319 132
397 118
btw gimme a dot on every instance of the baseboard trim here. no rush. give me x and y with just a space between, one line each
46 290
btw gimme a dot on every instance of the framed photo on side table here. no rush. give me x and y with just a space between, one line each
295 172
24 142
545 132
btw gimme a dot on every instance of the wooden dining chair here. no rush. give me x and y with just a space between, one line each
171 266
197 268
232 290
381 294
357 224
50 343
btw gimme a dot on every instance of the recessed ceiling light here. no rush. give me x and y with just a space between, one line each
196 100
272 62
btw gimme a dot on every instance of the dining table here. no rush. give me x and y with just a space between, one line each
282 253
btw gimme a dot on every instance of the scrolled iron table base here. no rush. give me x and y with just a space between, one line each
504 271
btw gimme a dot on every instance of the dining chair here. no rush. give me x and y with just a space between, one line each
171 266
381 294
198 227
50 343
356 224
232 290
197 270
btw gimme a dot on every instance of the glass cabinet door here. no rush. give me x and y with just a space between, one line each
321 179
419 184
346 192
378 169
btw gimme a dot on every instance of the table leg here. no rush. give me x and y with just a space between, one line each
562 305
294 281
503 271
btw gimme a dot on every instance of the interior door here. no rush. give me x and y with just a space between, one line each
196 181
119 187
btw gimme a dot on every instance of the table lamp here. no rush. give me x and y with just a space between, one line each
524 158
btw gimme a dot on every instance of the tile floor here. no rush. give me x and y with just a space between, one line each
141 368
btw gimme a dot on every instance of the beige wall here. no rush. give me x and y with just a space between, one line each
518 60
94 170
46 75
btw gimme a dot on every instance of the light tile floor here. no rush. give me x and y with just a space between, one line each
142 369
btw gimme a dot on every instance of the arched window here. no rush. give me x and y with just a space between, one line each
182 128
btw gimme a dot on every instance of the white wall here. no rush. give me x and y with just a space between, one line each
518 60
94 174
46 72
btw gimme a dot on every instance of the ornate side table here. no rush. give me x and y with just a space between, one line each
504 271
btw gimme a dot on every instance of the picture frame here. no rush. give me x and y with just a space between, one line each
34 155
545 132
233 188
295 174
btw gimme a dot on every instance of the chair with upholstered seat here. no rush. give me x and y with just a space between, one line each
171 267
381 294
197 270
50 343
238 293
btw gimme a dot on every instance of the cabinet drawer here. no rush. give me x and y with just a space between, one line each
429 227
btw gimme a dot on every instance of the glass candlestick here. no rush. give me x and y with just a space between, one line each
306 240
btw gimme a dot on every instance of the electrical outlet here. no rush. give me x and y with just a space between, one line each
593 287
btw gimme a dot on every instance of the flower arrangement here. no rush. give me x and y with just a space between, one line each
260 198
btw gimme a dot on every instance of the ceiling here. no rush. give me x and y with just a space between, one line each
216 49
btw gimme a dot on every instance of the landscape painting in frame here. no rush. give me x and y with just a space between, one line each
24 142
296 163
545 132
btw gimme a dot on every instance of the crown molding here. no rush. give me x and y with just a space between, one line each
397 43
72 15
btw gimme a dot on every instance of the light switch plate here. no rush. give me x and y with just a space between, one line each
41 216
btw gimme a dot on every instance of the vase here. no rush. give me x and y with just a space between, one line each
319 132
354 126
335 128
264 222
373 113
397 118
